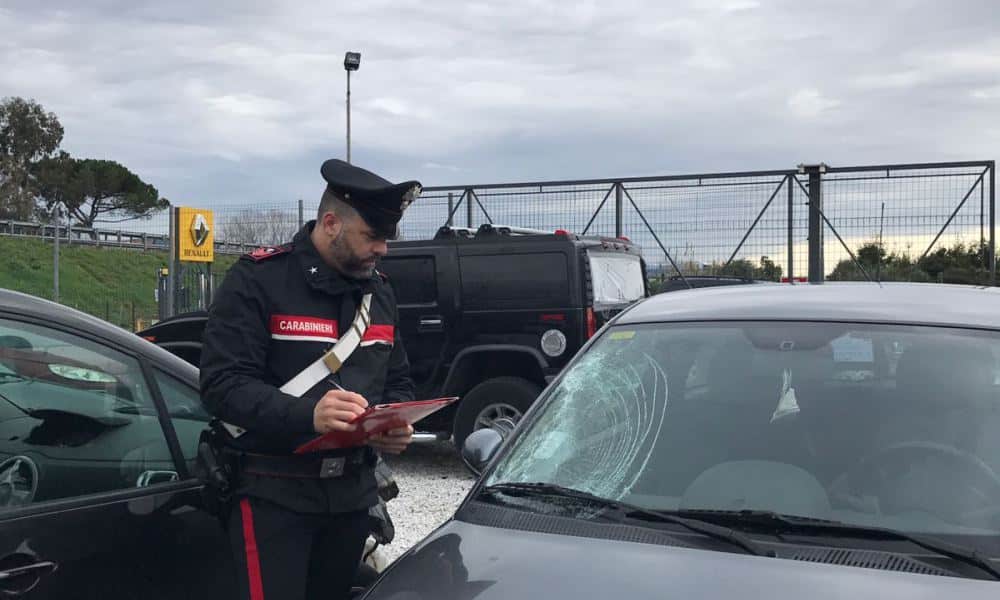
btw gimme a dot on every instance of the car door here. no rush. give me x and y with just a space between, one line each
200 546
96 500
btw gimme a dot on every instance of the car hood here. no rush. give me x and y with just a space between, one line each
461 561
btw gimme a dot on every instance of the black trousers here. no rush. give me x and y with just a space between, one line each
288 555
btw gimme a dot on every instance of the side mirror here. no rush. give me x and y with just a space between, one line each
479 449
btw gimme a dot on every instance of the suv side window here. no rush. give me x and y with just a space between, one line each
496 282
413 278
76 418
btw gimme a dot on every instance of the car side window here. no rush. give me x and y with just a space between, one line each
76 418
186 412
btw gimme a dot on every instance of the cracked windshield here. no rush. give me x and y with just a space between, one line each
886 426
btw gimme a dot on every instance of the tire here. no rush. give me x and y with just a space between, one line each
501 396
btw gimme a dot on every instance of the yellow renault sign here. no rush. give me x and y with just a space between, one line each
196 235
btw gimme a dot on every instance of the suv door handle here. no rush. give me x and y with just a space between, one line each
431 323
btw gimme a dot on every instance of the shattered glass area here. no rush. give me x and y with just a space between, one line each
795 418
599 434
616 279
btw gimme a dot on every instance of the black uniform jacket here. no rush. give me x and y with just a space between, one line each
277 311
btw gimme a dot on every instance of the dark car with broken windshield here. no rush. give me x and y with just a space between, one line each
827 441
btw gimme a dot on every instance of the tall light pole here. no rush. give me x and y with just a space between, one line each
352 62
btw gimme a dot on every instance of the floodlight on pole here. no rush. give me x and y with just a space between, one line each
352 62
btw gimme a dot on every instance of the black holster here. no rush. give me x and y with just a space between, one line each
215 467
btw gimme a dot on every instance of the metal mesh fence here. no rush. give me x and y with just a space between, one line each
707 224
919 219
710 225
911 212
117 270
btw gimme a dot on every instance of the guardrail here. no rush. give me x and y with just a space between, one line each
113 238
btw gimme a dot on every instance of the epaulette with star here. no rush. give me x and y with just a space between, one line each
266 252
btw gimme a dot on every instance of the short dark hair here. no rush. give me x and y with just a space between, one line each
332 202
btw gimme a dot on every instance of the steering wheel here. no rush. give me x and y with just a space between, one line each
950 483
18 481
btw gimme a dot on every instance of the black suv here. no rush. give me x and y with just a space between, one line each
491 315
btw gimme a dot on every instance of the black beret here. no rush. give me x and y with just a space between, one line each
380 202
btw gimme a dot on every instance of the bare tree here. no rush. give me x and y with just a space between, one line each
261 227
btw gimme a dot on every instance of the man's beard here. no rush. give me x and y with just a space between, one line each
351 265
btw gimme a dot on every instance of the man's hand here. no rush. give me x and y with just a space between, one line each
336 409
393 441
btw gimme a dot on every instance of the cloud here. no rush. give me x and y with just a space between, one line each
810 103
239 102
434 165
990 93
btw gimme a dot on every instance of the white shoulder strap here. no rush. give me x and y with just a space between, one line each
327 364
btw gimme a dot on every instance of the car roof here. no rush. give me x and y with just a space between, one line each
32 306
891 303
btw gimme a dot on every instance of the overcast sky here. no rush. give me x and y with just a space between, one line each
229 102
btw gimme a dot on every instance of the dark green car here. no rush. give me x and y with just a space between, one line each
98 436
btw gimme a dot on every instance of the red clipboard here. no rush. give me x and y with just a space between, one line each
376 419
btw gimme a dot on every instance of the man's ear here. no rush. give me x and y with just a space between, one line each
331 224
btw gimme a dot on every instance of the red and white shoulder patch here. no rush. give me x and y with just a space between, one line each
303 328
265 252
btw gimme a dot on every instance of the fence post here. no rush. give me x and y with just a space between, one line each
172 264
55 259
619 206
791 229
468 207
210 288
451 208
993 223
816 271
301 222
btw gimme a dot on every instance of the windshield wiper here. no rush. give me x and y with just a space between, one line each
626 510
794 524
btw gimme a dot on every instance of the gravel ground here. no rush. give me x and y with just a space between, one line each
432 482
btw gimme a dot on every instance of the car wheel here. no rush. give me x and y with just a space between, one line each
493 403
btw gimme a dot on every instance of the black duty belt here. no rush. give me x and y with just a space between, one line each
304 466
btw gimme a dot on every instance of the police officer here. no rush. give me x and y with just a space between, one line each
298 522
